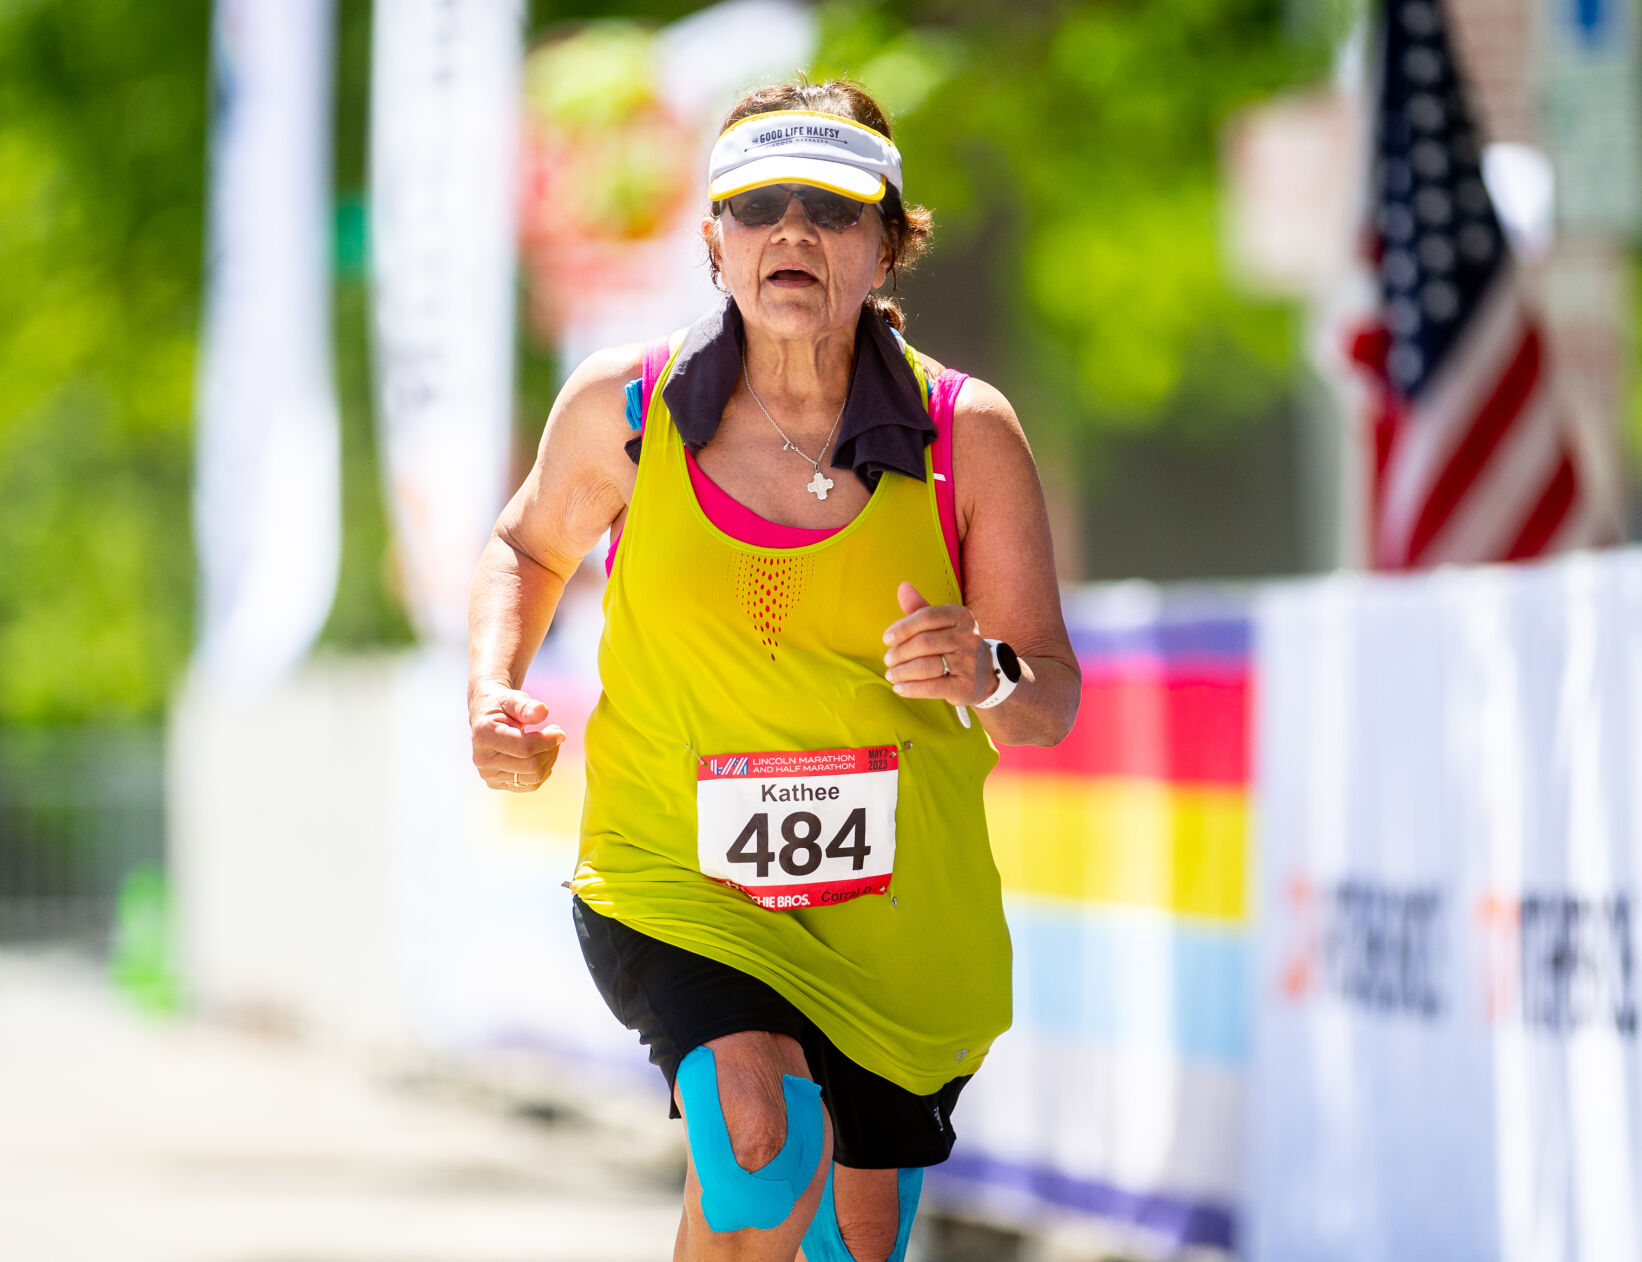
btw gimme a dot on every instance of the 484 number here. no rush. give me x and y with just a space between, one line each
802 853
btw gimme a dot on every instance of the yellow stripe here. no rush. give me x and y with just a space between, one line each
793 179
1135 843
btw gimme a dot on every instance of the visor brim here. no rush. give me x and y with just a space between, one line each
835 177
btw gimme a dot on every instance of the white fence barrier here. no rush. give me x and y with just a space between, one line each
1435 964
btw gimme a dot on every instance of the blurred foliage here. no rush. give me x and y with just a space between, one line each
1090 128
102 146
1100 144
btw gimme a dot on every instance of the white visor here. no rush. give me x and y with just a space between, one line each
803 147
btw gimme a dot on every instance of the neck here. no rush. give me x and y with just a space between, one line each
801 373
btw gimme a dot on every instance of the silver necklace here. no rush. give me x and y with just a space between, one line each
820 484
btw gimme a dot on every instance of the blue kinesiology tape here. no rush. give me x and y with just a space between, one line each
731 1197
823 1242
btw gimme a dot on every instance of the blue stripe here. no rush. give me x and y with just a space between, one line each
1210 637
1088 974
1176 1220
635 404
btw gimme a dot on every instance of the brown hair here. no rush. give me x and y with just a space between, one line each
907 228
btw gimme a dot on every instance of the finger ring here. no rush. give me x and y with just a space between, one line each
515 779
945 669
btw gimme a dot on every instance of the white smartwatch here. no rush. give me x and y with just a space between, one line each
1007 668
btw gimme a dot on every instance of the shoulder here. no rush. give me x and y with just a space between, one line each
982 415
933 367
600 379
980 405
992 464
606 372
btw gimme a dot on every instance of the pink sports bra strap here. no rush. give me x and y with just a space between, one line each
941 406
655 359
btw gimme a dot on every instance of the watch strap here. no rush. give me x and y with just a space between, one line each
1006 685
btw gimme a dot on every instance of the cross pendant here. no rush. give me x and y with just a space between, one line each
820 484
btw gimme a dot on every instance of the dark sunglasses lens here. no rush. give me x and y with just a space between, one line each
762 207
829 210
759 208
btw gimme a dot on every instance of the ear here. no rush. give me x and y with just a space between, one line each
886 253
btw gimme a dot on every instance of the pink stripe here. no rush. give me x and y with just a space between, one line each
1177 726
740 522
656 355
942 404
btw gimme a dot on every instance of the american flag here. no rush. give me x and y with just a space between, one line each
1474 455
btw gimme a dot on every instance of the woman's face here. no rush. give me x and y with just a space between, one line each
795 280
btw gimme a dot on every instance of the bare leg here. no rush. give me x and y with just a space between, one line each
868 1203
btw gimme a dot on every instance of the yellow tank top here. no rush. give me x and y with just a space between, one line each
713 646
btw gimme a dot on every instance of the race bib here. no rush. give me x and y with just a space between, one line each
811 828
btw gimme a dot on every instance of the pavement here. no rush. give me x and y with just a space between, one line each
125 1138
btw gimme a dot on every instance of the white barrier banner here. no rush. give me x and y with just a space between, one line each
444 135
1448 784
267 498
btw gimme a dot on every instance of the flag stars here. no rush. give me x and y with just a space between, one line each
1419 20
1400 270
1426 112
1398 222
1403 316
1433 206
1430 160
1440 245
1440 300
1437 252
1476 243
1423 65
1405 364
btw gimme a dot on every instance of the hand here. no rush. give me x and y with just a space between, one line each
919 642
513 747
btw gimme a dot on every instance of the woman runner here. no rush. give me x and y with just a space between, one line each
831 591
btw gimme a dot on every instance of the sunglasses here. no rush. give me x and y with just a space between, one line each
767 206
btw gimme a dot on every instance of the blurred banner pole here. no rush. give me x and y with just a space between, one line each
267 503
444 159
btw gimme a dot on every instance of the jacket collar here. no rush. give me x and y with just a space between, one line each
885 424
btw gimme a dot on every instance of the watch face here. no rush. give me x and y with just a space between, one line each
1008 663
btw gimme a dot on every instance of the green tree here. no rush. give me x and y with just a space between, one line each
102 143
1093 130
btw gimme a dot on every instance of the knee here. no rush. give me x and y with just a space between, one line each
778 1156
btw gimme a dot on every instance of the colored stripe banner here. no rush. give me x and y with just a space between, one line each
1129 842
1184 722
1117 1095
1138 981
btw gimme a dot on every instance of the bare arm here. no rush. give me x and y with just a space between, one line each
579 485
1009 589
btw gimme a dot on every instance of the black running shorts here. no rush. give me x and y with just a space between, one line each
676 1000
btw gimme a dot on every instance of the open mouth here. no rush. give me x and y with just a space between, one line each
792 276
